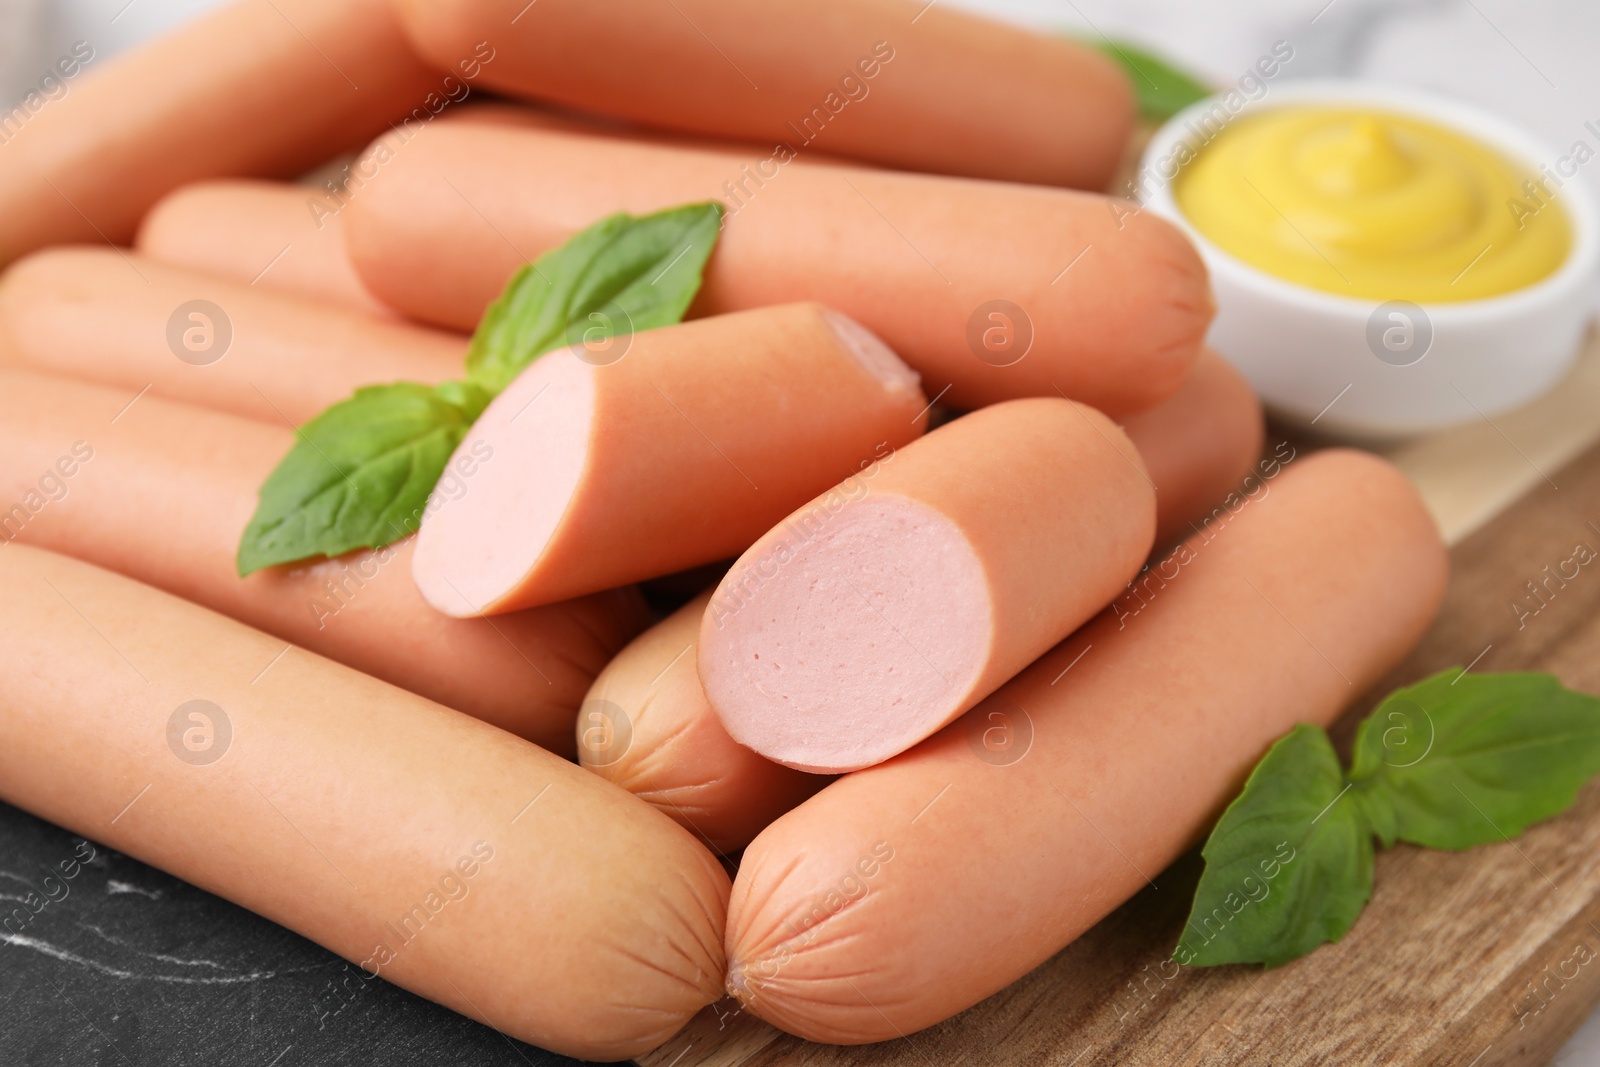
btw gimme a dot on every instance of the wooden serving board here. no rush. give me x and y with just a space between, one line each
1482 958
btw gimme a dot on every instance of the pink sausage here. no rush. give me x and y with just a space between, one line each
269 88
108 317
995 290
160 491
433 851
525 117
884 609
1199 445
900 895
660 451
646 725
896 82
270 234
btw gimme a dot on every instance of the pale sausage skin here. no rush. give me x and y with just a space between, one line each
162 493
1199 445
879 612
957 276
902 894
440 853
892 82
260 233
104 316
267 88
522 116
648 454
289 237
646 726
676 754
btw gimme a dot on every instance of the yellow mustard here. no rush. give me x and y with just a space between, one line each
1373 205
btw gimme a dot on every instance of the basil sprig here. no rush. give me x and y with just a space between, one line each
619 276
1452 762
359 475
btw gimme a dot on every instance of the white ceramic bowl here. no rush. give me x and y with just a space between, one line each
1362 367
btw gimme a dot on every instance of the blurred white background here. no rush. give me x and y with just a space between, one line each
1533 61
34 33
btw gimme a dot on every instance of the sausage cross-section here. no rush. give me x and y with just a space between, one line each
647 726
647 454
902 894
859 626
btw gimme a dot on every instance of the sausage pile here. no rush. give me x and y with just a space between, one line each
940 697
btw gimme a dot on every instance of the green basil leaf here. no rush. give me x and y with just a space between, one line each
359 474
1459 760
621 275
1454 761
1288 867
1162 89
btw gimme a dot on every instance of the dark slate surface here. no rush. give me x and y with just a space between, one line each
128 967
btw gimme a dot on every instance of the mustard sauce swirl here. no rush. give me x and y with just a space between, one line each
1372 205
